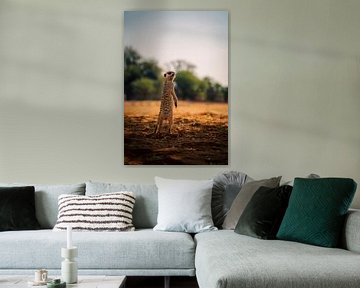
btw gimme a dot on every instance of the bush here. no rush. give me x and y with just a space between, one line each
145 89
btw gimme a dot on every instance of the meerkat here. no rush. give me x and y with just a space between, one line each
168 100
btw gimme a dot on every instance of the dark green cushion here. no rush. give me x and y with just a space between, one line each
17 208
264 213
316 211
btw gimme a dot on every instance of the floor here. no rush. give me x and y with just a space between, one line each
158 282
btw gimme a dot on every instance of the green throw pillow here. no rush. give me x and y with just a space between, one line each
316 211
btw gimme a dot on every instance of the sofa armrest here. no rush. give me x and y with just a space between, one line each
351 234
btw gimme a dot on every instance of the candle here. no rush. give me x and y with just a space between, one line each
69 240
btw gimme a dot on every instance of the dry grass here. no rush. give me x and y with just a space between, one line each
200 134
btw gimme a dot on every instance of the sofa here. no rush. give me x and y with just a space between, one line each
221 259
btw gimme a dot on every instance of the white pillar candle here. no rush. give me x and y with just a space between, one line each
69 237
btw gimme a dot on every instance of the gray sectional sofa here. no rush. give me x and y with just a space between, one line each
221 259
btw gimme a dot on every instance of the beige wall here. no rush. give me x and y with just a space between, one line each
295 90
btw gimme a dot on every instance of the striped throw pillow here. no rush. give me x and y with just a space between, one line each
105 212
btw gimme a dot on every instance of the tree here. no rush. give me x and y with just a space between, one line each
209 89
137 71
131 74
131 56
144 88
188 85
150 69
225 94
143 80
214 91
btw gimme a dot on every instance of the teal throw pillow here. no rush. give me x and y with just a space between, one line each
316 211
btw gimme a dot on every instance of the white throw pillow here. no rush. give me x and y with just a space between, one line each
104 212
184 205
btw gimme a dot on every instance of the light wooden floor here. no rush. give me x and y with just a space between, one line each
158 282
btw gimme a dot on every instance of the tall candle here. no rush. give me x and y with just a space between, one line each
69 237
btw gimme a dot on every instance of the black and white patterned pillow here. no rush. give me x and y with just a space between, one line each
105 212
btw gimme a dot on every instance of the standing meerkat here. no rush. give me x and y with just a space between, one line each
168 100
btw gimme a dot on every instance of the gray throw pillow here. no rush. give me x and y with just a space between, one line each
242 199
184 205
226 187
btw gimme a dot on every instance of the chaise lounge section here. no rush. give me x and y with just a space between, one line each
225 259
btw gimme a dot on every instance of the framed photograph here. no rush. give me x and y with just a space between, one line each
176 87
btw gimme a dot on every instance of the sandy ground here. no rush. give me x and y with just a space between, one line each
200 134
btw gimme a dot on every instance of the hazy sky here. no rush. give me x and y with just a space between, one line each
199 37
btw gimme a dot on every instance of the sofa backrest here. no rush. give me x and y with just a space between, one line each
146 203
46 200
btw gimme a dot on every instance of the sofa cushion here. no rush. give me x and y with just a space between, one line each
137 250
317 209
243 198
225 259
17 208
184 205
105 212
350 239
225 189
263 215
146 205
46 200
